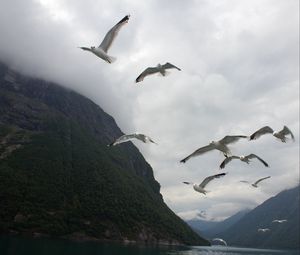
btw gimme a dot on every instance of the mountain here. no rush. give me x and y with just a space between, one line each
59 178
284 205
222 226
211 229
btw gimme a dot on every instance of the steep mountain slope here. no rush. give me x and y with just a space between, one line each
222 226
58 176
284 205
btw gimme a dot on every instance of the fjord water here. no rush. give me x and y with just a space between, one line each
43 246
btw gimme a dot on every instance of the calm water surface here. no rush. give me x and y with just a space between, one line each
29 246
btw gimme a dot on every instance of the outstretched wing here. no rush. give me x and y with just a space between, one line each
122 139
250 156
169 66
85 48
231 139
227 160
286 131
146 72
144 138
112 33
209 178
199 152
261 180
260 132
244 181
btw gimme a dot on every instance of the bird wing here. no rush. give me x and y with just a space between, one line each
169 66
199 152
227 160
286 131
231 139
261 180
112 33
85 48
146 72
260 132
124 138
244 181
250 156
209 178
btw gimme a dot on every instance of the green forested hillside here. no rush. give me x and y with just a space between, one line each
58 177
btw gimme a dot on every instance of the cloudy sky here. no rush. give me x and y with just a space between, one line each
240 71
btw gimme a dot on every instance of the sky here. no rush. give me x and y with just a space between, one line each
240 72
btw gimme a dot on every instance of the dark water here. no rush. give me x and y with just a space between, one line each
29 246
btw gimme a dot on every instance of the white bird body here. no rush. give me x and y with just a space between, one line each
279 221
281 135
243 158
220 145
158 69
263 230
125 138
101 50
201 187
102 54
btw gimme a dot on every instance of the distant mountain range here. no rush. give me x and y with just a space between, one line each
241 229
211 229
284 205
59 178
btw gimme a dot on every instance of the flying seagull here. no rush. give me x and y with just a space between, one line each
219 240
200 187
255 183
158 69
125 138
279 221
245 159
101 50
218 145
263 230
281 135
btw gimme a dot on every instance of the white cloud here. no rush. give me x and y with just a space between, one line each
240 71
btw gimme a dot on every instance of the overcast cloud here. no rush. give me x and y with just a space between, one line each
240 71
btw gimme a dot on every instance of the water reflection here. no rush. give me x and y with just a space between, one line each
43 246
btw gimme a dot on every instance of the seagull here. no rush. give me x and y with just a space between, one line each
102 49
158 69
263 230
220 240
281 135
279 221
245 159
200 187
255 183
202 214
125 138
218 145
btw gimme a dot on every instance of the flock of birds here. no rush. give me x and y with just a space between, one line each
222 145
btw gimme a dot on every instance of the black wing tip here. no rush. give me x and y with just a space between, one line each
183 160
125 19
